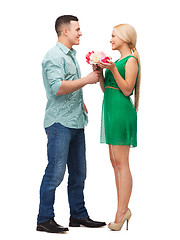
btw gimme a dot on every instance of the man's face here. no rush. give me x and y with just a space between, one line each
74 32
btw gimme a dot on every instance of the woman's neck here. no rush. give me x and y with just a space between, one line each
125 51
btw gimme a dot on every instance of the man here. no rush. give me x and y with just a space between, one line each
65 119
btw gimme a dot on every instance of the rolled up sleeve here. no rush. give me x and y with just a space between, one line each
55 74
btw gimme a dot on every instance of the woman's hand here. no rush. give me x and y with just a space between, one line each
110 65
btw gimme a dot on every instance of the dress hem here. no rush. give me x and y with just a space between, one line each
131 145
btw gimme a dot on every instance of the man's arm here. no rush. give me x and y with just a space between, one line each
72 86
60 86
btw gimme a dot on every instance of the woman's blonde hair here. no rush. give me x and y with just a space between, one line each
128 34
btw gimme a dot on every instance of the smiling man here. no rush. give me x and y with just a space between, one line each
65 119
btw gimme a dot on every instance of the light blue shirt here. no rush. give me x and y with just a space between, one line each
60 64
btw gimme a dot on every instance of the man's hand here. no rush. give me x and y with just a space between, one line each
85 108
93 77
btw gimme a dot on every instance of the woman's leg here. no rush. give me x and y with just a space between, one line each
116 172
120 157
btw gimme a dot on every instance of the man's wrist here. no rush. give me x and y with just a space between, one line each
85 80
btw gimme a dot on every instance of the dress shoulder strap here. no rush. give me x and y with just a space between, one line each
133 57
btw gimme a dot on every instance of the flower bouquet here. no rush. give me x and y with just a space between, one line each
95 57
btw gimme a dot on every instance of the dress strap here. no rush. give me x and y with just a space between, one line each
133 57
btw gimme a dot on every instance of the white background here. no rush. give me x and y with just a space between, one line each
27 33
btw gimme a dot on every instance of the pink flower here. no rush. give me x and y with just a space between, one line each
106 60
95 57
88 57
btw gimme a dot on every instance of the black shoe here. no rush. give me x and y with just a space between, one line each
87 222
51 226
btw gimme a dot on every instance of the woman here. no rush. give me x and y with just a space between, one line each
119 115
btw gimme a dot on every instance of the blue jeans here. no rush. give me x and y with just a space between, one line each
66 146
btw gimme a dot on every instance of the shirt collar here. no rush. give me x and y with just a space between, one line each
65 49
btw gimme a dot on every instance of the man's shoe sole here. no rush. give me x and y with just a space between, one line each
43 229
78 223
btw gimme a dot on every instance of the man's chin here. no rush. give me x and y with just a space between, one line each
77 42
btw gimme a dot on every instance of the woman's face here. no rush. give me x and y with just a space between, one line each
116 41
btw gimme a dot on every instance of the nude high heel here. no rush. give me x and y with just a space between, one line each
118 226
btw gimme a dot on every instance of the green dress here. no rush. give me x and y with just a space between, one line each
119 116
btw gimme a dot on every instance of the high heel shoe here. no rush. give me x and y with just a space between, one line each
118 226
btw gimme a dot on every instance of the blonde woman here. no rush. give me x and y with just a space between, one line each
119 115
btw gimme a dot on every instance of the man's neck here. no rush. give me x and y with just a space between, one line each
65 43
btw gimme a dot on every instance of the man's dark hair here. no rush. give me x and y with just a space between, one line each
65 19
